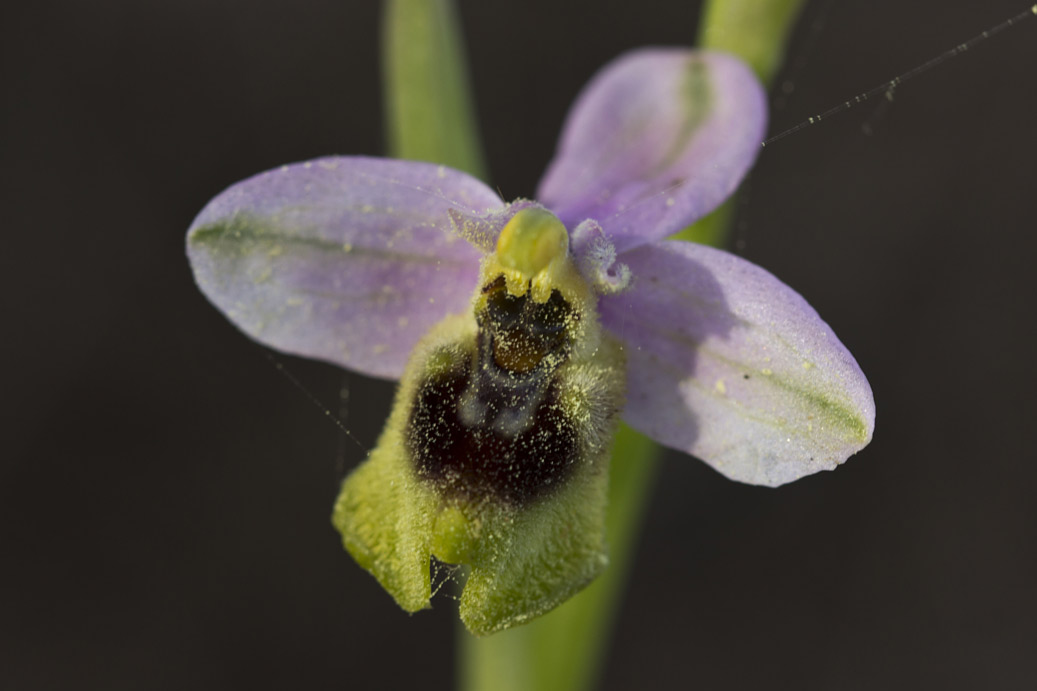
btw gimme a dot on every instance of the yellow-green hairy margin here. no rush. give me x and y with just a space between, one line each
522 559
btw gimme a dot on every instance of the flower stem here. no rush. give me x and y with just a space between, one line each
755 30
429 112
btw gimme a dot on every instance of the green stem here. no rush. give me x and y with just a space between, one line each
429 112
755 30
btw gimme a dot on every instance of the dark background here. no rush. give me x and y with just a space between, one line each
165 493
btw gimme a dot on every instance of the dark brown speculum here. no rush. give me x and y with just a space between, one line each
493 426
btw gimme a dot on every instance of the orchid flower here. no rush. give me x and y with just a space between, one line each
522 331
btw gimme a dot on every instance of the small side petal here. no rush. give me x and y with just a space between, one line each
729 364
658 139
347 259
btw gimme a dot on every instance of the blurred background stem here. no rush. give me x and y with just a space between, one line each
757 31
429 110
430 116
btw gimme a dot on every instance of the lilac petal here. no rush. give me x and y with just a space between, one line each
731 365
348 259
658 139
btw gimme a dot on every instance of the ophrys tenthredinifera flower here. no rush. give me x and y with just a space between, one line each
522 331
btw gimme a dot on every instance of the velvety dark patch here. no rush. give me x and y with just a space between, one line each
480 458
493 427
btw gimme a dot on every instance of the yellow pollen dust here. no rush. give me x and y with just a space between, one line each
533 250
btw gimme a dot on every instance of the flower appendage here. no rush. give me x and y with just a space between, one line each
522 332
